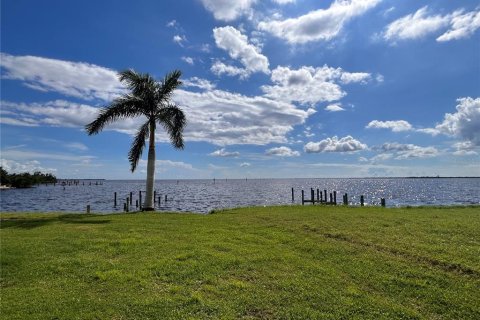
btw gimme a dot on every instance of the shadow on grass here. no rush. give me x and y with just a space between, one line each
26 222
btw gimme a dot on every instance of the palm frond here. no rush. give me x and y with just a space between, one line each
169 84
173 120
138 145
141 85
124 107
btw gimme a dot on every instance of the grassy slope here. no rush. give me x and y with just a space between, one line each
274 262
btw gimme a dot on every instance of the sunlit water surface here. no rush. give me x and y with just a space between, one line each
202 196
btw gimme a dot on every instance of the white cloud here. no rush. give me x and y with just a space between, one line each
309 84
345 144
236 44
322 24
463 124
245 164
188 60
462 25
198 83
282 152
172 24
415 26
31 166
175 164
225 118
24 155
75 79
334 107
418 152
421 24
464 148
409 151
381 157
179 39
395 126
214 116
223 153
284 1
76 146
228 10
219 68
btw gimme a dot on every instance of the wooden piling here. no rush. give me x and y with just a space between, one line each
362 201
88 209
303 197
318 196
114 199
346 199
335 197
140 199
136 203
128 202
293 196
321 197
131 197
125 207
312 195
325 195
166 198
382 201
331 198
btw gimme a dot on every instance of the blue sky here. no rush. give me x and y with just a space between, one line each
272 89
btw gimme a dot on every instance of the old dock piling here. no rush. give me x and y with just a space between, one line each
362 201
88 209
114 199
382 201
293 196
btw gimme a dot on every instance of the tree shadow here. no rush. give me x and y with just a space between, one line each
26 222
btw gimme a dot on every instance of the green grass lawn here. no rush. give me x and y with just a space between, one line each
253 263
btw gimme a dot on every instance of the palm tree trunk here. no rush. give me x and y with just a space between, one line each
149 201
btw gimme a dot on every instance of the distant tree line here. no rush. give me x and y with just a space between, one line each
25 180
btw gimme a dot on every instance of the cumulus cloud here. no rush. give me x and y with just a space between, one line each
345 144
462 25
463 124
408 151
75 79
422 23
54 113
228 10
464 148
322 24
179 39
284 1
309 84
334 108
237 45
395 126
219 68
414 26
31 166
214 116
223 153
188 60
198 83
225 118
282 152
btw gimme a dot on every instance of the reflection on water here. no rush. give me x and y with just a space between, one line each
205 195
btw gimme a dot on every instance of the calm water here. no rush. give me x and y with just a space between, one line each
205 195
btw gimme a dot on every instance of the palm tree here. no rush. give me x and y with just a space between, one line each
151 99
